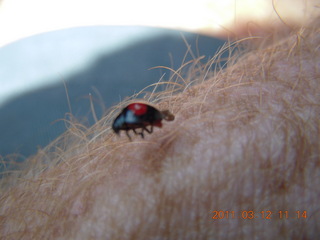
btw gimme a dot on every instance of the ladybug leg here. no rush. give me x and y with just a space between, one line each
141 134
135 132
127 132
149 131
138 133
146 129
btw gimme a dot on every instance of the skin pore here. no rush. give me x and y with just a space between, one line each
245 141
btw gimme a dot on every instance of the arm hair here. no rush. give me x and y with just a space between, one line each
246 139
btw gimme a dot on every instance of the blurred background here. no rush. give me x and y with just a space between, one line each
108 62
88 47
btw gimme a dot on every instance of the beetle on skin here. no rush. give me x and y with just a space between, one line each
140 115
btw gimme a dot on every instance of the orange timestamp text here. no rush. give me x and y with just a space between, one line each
244 214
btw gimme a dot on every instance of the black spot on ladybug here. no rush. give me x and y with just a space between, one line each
140 116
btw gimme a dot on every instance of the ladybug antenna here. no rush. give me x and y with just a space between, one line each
167 115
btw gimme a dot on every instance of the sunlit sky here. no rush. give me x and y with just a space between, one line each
49 57
22 18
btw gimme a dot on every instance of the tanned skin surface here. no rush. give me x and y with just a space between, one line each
245 141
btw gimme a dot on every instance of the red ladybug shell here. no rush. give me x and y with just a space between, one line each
139 116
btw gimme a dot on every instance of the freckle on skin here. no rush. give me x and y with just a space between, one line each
78 207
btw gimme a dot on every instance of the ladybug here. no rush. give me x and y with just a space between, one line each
139 115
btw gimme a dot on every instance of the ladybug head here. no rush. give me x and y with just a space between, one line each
167 115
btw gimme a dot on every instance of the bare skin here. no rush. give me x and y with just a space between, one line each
246 141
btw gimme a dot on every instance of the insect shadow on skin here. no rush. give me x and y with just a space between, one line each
139 115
